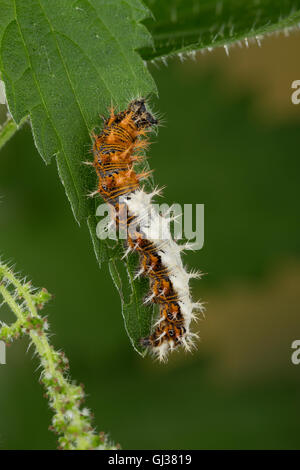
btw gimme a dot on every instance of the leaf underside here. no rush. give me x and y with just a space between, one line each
63 64
182 26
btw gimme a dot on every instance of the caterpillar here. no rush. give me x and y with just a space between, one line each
120 185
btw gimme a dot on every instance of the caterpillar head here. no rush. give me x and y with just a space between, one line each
141 116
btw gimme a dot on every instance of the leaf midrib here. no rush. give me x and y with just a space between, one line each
44 103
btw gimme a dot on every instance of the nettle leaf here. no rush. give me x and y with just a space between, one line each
182 26
63 63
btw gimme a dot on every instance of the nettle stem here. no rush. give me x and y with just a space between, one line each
71 422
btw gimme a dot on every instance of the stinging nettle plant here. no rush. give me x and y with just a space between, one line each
63 63
71 421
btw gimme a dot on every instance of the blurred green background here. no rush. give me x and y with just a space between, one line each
230 141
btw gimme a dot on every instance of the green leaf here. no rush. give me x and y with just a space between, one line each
137 317
64 63
182 26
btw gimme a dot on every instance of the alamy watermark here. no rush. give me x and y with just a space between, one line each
295 357
2 353
186 223
2 93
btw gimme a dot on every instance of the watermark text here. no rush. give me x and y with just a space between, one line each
295 96
295 358
158 223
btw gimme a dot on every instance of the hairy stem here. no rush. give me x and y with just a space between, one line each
70 421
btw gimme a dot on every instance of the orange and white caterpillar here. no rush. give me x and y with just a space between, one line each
119 184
